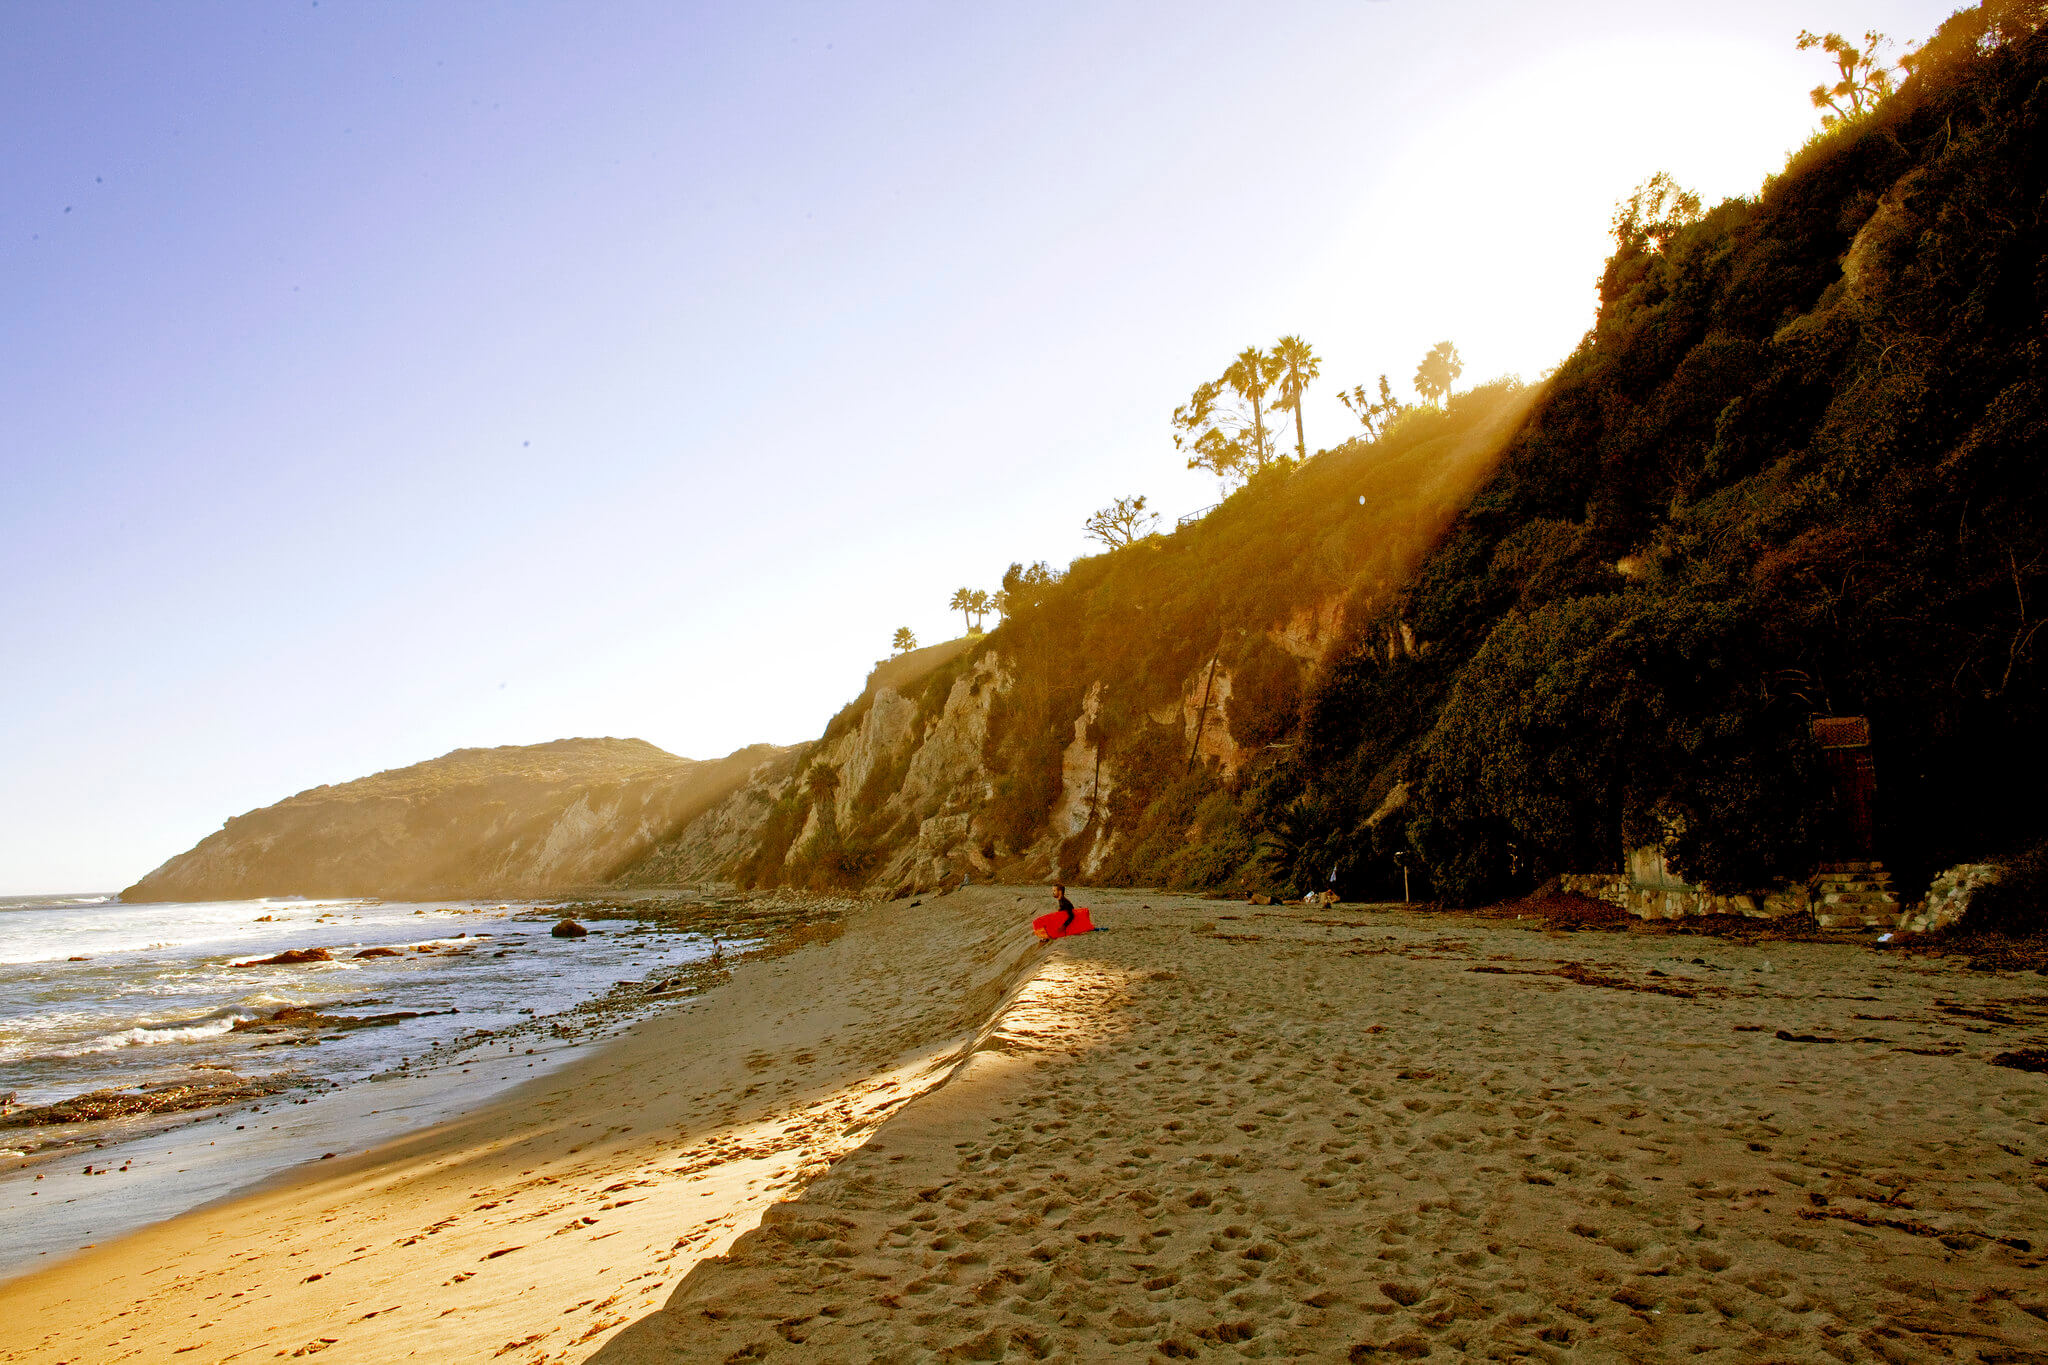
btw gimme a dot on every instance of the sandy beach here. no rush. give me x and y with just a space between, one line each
1215 1131
538 1225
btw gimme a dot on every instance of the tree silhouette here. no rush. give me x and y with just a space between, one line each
1026 588
1123 522
1298 367
1653 214
978 606
1222 427
1864 81
1205 433
1374 415
1250 376
904 641
963 602
1434 376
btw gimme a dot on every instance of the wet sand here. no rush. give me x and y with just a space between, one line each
1216 1131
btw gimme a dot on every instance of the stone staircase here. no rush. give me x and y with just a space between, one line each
1854 896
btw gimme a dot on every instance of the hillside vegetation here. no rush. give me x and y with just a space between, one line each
511 821
1794 469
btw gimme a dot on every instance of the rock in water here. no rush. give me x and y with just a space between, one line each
568 928
290 957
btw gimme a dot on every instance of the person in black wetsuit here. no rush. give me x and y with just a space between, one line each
1059 889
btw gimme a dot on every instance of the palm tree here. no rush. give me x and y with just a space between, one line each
904 641
1250 376
1299 366
963 602
1434 376
978 604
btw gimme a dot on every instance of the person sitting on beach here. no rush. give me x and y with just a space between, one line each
1059 890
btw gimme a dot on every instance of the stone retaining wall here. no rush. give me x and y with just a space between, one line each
1678 903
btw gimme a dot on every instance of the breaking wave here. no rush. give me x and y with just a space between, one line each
149 1035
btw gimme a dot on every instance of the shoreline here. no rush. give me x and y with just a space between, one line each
184 1157
1217 1130
552 1215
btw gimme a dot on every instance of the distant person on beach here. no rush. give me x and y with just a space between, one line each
1059 890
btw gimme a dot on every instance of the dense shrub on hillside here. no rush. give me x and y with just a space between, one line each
1796 468
1612 719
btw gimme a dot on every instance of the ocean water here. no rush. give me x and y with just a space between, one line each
99 995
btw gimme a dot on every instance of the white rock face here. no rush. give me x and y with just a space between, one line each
1215 741
1085 781
888 728
1310 631
926 818
947 770
930 823
706 849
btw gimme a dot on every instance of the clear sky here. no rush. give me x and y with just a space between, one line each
377 380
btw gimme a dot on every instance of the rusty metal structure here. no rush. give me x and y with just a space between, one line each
1852 772
1851 886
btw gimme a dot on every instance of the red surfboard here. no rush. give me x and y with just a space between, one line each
1048 926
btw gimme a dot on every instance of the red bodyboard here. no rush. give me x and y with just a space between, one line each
1048 926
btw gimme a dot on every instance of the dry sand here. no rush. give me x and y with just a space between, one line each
1220 1132
1214 1131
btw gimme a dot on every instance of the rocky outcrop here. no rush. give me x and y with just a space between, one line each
1084 785
210 1091
515 821
898 789
1310 631
897 783
1948 897
1205 718
1680 901
706 848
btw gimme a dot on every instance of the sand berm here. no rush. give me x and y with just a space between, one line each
1216 1131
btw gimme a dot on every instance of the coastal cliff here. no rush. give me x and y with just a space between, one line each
511 821
1106 730
1793 471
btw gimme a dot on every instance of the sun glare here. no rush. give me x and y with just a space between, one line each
1495 214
